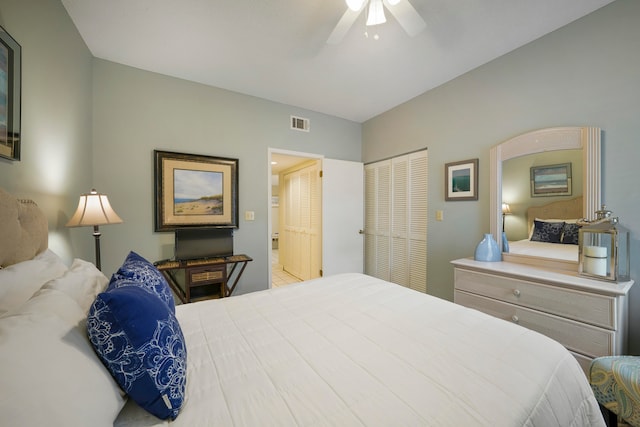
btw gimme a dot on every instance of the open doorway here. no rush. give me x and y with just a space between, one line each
279 161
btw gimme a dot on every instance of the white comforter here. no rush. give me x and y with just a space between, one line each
352 350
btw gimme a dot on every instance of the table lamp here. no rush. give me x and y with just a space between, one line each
506 210
94 210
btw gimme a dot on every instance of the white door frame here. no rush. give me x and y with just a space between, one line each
271 151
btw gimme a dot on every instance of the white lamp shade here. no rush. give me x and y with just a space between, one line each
376 13
94 209
355 5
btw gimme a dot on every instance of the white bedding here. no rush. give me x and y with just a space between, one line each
351 350
545 250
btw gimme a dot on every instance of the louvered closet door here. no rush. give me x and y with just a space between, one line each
396 220
399 211
377 219
417 220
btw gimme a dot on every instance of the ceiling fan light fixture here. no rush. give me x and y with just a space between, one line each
355 5
376 13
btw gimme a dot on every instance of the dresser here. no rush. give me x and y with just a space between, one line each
588 317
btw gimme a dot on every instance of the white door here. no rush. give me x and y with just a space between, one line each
342 217
300 249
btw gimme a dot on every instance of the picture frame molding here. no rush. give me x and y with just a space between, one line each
450 193
11 65
166 218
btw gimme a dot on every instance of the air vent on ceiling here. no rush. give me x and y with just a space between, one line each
300 123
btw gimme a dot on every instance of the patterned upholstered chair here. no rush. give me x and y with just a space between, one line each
616 384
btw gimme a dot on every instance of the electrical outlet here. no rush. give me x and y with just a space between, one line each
249 215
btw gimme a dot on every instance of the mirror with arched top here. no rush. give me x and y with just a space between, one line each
581 146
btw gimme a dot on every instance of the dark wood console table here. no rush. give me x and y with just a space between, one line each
197 279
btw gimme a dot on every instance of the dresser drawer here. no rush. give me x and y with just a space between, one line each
206 274
581 338
581 306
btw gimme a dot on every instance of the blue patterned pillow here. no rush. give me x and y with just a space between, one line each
139 272
570 234
549 232
140 341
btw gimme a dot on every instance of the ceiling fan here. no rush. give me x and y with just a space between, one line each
402 10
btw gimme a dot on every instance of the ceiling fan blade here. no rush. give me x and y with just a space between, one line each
407 17
343 26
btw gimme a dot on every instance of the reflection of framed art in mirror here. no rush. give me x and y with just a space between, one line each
551 180
562 138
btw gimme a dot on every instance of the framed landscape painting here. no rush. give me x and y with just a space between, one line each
195 191
461 180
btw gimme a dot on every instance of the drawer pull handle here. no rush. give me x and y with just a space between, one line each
516 292
515 319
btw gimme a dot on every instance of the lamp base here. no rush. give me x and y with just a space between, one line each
96 235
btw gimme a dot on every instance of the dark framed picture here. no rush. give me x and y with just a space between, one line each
461 180
195 191
551 180
10 96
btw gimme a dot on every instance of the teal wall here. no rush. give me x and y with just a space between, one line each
135 112
91 123
56 163
584 74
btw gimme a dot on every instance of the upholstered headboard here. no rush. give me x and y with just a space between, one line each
23 229
563 209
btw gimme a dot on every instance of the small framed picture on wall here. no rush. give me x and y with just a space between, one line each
461 180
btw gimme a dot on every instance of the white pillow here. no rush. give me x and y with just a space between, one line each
82 282
18 282
50 373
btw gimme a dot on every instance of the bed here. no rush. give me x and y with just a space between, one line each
346 350
560 243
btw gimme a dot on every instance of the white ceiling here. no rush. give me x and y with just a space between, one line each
275 49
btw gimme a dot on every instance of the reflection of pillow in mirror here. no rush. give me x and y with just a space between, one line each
570 234
548 232
568 221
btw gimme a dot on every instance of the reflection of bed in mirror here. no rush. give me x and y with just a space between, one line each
563 210
586 139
